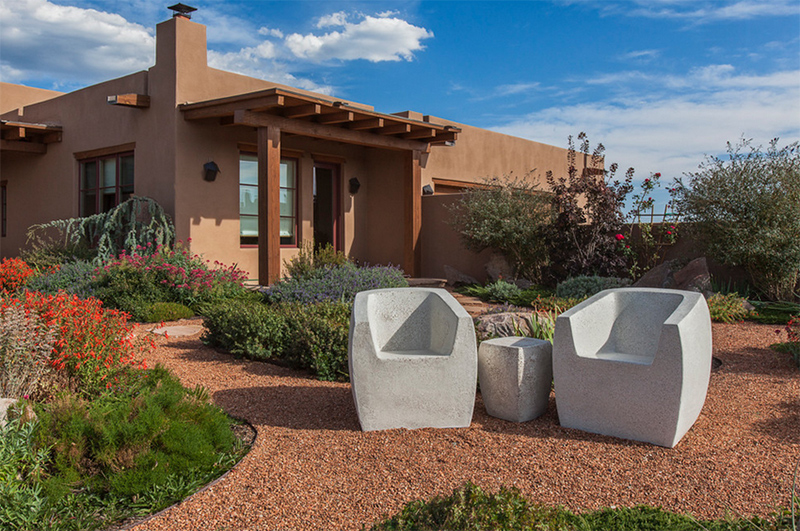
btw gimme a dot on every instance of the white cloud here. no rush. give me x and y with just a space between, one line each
516 88
706 11
42 39
373 38
270 32
640 55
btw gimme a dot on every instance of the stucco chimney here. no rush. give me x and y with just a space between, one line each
181 51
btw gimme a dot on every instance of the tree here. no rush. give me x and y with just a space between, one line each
746 208
507 215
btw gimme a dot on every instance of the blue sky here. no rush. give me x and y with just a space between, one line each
660 83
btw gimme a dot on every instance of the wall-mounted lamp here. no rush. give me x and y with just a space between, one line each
210 171
427 190
354 186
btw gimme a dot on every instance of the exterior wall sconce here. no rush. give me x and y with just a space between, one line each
354 186
427 190
210 171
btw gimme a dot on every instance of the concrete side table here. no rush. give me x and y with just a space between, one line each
515 375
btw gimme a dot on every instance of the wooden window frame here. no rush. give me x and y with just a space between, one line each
3 208
97 157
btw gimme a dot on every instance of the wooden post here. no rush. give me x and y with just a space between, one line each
412 193
269 214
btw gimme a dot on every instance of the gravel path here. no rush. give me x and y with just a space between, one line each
312 468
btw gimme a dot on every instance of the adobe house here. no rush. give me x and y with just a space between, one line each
249 169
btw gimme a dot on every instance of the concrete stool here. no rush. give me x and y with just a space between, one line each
515 374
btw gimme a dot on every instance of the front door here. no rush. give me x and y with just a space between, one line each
326 206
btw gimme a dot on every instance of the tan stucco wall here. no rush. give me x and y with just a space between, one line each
14 97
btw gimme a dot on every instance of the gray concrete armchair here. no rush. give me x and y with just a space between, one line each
413 359
633 363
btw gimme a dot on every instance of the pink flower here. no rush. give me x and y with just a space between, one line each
656 175
619 237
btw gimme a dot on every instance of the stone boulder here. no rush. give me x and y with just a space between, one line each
5 403
457 278
498 267
693 277
506 324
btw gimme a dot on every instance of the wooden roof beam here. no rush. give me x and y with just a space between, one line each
420 134
23 147
16 133
301 111
140 101
336 117
395 129
198 111
369 123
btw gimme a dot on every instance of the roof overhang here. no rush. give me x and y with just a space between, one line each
317 117
25 137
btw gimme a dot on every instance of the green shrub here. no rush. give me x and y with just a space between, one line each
317 336
585 286
166 311
310 259
792 344
75 277
246 328
778 313
727 308
25 347
502 291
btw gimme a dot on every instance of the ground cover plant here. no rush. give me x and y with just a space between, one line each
792 343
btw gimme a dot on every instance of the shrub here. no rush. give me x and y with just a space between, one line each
246 328
13 274
727 308
774 312
338 283
587 207
310 259
586 286
507 215
502 291
76 277
25 347
317 337
792 344
746 207
167 311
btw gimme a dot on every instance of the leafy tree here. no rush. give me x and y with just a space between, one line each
507 215
587 206
746 207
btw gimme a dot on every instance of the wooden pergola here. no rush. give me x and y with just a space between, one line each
25 137
277 110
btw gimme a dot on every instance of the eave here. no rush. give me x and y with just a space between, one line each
25 137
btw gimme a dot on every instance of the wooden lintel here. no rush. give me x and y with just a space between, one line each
336 117
140 101
327 132
420 133
395 129
198 111
23 147
17 133
370 123
301 111
51 138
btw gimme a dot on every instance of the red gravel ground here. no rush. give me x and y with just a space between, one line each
312 468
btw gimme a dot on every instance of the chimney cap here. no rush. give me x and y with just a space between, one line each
182 10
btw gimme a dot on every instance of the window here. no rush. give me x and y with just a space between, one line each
105 182
3 209
248 200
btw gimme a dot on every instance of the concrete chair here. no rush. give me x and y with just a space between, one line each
633 363
413 359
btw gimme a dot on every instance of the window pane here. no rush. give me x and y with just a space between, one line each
287 227
248 226
287 173
287 203
248 169
248 200
109 199
89 203
109 172
126 171
88 175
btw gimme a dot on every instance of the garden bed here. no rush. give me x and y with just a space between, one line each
312 468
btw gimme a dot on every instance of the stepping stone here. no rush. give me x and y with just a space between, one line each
177 331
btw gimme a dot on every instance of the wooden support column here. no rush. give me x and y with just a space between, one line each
412 193
269 214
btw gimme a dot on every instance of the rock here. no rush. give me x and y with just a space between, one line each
661 276
5 403
504 324
523 284
497 267
457 278
694 277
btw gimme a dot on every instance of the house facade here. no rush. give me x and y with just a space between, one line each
247 169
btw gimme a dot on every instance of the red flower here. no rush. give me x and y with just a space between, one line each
619 237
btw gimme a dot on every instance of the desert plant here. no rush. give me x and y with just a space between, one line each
245 328
25 347
75 277
311 258
317 337
507 215
774 312
728 308
745 206
587 215
502 291
542 325
14 273
167 311
585 286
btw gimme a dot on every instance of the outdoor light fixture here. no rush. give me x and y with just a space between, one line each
427 190
354 186
182 10
210 171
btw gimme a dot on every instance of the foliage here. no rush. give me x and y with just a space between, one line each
774 312
76 277
727 308
245 328
133 282
542 325
25 347
792 344
311 259
132 225
507 215
502 291
645 242
337 283
468 508
539 298
167 311
13 274
585 286
94 347
587 215
317 336
746 207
